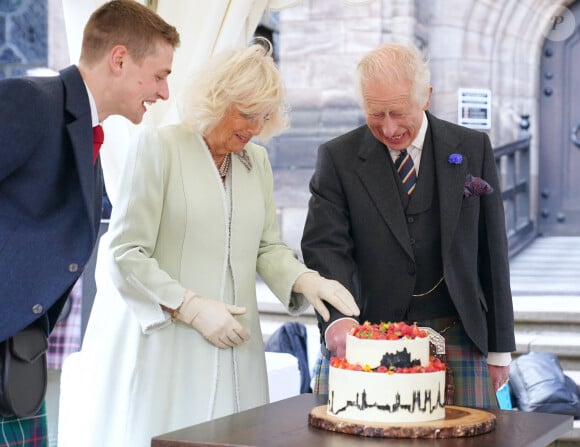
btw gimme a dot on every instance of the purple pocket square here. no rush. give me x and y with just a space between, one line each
475 186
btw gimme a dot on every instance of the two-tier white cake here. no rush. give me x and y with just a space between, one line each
387 376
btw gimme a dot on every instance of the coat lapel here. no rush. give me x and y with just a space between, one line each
450 180
375 174
79 126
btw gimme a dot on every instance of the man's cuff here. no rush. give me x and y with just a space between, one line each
499 358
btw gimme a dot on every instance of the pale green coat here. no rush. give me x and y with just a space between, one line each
168 233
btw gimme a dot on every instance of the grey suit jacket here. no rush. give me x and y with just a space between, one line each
50 196
356 231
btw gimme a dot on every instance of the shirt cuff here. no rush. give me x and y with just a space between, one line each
499 358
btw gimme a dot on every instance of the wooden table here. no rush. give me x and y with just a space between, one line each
285 424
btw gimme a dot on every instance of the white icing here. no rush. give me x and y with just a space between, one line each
381 397
370 352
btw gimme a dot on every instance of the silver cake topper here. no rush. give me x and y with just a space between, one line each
437 339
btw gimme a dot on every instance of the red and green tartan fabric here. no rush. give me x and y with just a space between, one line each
24 432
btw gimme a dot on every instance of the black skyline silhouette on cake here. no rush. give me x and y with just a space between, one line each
427 404
400 359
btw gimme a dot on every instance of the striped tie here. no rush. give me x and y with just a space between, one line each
406 169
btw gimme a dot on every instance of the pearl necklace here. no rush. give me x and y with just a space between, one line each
225 166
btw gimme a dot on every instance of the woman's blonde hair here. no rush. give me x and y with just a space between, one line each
395 62
247 78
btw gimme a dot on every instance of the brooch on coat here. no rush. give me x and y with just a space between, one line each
455 159
245 159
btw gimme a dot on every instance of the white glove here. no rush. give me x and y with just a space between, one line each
213 319
315 288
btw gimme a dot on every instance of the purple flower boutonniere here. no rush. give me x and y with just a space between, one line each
455 159
475 186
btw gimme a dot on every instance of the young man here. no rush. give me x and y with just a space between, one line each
50 175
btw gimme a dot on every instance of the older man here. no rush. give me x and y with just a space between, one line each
407 213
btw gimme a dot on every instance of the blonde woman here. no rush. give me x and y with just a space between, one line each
181 343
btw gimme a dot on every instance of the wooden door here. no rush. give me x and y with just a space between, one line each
559 152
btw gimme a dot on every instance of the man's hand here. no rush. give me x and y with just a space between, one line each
214 320
316 289
335 335
499 375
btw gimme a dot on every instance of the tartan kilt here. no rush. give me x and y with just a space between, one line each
473 386
30 431
66 335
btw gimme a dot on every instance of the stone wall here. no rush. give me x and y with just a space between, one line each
488 44
492 44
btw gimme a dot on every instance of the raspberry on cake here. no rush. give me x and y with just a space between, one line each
387 331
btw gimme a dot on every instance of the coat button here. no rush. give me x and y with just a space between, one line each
37 309
410 219
73 267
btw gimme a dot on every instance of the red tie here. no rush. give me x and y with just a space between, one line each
98 138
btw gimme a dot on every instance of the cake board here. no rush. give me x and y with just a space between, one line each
458 422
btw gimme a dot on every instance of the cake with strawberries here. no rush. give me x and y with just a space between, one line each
387 376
